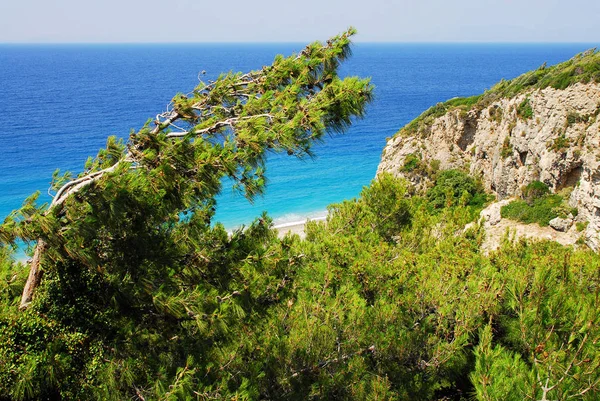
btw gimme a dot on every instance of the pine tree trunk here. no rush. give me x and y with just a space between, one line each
35 275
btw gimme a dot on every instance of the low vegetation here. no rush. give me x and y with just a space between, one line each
524 110
540 211
507 148
496 114
581 226
427 118
537 205
560 143
411 163
583 68
388 298
416 166
575 118
456 188
144 297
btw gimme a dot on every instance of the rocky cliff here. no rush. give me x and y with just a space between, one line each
541 126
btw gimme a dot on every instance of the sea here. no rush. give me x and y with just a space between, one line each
59 103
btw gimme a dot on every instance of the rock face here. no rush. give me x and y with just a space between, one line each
548 135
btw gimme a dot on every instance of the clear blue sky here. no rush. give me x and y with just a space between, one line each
299 21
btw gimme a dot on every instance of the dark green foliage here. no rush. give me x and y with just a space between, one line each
386 199
540 210
411 162
539 205
534 190
456 188
560 143
524 109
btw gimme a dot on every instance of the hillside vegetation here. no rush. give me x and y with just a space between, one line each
389 299
141 296
583 68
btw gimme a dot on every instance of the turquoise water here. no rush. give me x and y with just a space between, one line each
58 103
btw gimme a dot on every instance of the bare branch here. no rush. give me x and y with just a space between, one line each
75 185
219 124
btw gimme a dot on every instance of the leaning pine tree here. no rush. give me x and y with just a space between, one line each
221 129
129 284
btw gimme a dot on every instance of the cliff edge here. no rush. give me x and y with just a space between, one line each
541 126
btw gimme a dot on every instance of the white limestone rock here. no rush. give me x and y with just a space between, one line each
491 214
561 225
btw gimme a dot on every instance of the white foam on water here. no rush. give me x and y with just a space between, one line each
289 220
293 219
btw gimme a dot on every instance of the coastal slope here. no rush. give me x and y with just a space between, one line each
541 126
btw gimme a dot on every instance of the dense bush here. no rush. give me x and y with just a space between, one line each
538 205
385 300
454 188
540 210
534 190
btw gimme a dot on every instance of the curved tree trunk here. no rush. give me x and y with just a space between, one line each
35 275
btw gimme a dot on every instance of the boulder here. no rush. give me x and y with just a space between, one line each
491 214
561 225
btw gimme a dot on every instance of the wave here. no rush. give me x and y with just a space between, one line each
293 219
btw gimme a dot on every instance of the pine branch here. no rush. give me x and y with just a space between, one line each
303 102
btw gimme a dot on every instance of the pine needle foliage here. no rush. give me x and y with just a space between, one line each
351 312
391 298
136 278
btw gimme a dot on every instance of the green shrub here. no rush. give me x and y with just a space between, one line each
561 142
524 109
387 202
581 225
507 148
574 118
540 210
454 188
411 162
534 190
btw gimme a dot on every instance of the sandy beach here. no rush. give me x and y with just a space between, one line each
296 227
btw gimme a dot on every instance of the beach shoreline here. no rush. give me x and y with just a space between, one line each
295 227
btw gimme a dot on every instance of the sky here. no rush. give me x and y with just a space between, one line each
152 21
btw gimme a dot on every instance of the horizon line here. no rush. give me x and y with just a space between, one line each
304 43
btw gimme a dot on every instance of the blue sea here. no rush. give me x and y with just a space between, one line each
59 103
